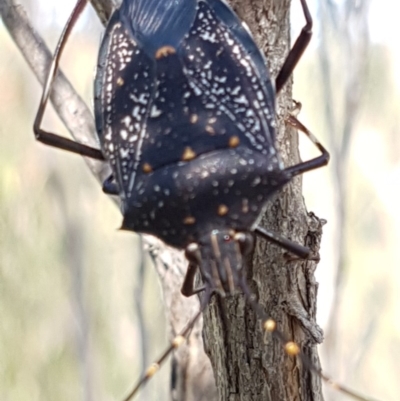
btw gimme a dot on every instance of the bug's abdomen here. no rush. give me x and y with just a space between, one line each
219 190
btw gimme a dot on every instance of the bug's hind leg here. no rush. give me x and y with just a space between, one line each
49 138
312 164
297 50
298 250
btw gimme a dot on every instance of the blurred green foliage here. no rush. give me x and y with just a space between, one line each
67 276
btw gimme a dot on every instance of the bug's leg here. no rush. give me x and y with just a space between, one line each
188 282
309 164
298 250
297 50
110 187
47 137
175 343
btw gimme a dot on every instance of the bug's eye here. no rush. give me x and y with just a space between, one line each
227 238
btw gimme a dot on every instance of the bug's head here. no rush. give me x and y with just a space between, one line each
220 255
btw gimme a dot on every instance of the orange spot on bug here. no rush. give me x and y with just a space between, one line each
222 210
189 220
193 118
147 168
233 141
188 154
210 130
164 51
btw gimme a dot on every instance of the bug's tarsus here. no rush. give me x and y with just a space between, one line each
175 343
297 50
48 138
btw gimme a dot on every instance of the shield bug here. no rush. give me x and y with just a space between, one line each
185 114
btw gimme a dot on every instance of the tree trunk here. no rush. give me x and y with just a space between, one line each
248 364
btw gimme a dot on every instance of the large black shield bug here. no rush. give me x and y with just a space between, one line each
185 113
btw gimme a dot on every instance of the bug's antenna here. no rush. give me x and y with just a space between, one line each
293 349
175 343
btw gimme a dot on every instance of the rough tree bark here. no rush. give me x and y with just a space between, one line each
248 364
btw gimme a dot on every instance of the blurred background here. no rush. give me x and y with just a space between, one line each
68 276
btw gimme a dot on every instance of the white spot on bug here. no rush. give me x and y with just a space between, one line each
127 121
108 135
124 153
124 134
241 100
155 112
197 91
235 90
207 36
135 112
220 80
